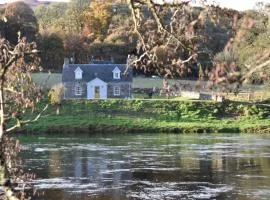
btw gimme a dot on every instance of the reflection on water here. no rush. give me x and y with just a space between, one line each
154 167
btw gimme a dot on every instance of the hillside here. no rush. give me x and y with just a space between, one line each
229 42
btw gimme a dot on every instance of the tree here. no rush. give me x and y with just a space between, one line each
173 42
76 47
226 73
76 9
254 48
56 95
49 45
97 18
19 18
117 52
246 56
62 17
172 35
16 86
41 13
53 18
119 31
18 95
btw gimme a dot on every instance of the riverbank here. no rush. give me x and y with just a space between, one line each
144 116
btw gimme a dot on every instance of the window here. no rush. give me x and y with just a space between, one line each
116 91
116 73
78 73
78 89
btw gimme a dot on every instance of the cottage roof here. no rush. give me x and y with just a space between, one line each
92 71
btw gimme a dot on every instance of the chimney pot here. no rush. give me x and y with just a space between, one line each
66 62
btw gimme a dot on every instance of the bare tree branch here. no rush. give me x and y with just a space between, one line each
20 123
189 59
11 90
173 18
136 23
247 75
134 62
140 58
161 27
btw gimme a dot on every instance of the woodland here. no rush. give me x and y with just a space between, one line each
210 43
172 40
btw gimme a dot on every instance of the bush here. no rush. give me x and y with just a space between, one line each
255 112
56 95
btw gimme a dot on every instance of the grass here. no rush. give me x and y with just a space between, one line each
153 116
179 115
259 95
47 80
140 96
71 123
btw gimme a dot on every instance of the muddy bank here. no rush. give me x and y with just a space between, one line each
99 128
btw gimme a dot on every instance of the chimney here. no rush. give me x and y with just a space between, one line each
66 62
112 60
92 60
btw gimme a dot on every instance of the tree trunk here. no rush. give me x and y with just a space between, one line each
57 110
2 119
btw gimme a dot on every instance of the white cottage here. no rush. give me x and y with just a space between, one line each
98 80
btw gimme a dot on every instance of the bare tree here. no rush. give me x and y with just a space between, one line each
168 36
56 96
18 95
172 38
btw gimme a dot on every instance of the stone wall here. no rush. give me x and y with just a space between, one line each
70 90
125 90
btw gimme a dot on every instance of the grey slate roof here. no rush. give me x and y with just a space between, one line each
92 71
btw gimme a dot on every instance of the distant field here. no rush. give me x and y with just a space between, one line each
48 80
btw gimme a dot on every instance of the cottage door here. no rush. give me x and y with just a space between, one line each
97 89
97 92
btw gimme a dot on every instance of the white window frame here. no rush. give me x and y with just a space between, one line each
78 74
116 91
116 73
78 89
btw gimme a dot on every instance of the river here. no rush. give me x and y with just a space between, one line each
149 166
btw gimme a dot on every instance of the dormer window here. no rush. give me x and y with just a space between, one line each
116 73
78 73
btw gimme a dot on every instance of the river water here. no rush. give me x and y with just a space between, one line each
149 166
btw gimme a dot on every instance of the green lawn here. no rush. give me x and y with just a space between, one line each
154 116
47 80
69 122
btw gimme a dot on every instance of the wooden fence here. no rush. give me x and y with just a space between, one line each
247 96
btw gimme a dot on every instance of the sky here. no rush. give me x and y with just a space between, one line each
240 4
235 4
5 1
